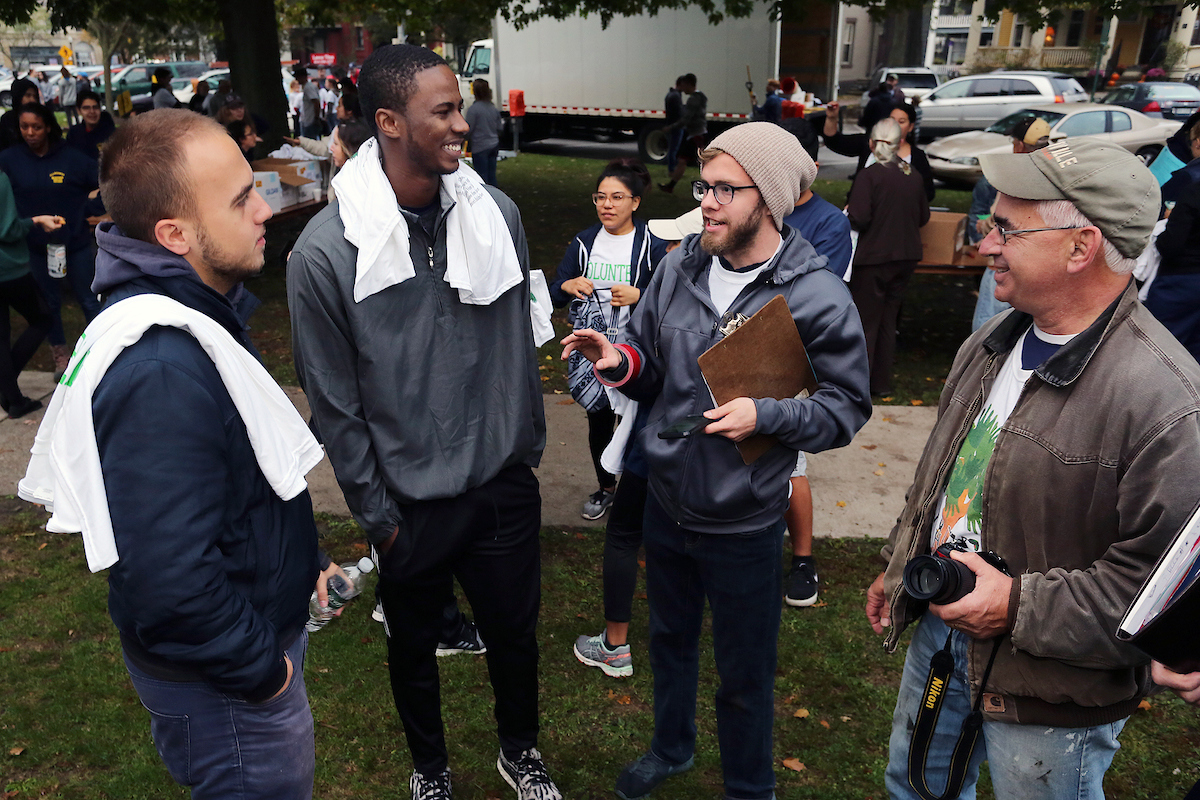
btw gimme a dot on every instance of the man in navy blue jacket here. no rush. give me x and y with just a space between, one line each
210 591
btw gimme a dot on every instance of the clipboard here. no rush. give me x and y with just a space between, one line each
764 357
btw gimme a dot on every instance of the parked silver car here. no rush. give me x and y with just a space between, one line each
974 102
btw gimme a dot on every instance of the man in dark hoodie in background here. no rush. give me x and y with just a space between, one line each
211 586
713 524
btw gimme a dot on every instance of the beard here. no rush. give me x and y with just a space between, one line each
737 235
234 268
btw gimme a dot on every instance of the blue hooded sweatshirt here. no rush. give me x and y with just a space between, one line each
57 183
215 570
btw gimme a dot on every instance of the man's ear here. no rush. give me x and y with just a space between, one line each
172 234
390 123
1087 249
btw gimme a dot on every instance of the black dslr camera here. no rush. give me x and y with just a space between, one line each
940 579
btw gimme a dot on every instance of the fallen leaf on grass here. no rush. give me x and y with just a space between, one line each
42 546
914 401
841 503
878 472
1144 705
16 751
825 724
794 764
559 391
581 536
801 713
882 464
868 446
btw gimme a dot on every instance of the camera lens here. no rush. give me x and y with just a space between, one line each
937 580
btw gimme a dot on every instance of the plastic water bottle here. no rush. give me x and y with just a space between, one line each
340 593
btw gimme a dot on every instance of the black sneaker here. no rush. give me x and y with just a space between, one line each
598 503
431 788
802 582
467 641
641 777
527 774
22 407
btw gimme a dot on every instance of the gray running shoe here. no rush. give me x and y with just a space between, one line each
642 776
468 642
597 504
435 788
802 582
616 663
527 774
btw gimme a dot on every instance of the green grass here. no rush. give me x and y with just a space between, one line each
71 725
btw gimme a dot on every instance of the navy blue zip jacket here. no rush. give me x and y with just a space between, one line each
57 183
648 250
215 570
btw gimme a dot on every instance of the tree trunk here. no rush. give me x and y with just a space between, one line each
252 47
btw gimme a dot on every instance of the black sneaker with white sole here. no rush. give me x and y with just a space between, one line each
436 787
467 641
802 582
598 504
527 774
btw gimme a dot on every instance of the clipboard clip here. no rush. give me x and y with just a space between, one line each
730 322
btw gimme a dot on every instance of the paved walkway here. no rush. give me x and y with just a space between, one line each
857 490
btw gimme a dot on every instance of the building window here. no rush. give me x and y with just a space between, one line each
358 37
1195 35
848 30
985 38
1018 33
1075 28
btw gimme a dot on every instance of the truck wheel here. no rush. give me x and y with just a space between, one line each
652 144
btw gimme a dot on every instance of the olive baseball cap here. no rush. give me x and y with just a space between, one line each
1108 184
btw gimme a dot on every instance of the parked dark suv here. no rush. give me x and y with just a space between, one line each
1157 99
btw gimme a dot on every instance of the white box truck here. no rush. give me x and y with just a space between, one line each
579 77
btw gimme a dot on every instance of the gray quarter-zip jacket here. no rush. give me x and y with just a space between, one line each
415 395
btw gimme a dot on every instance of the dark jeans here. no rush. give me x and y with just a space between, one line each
675 139
311 131
1174 300
739 574
622 540
878 290
488 539
485 164
81 270
228 749
21 295
601 425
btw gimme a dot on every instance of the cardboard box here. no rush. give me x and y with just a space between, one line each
270 189
290 175
943 237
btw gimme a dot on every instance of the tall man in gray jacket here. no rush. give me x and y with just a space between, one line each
1067 443
428 400
713 524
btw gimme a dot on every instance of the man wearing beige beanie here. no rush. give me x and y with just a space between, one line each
714 525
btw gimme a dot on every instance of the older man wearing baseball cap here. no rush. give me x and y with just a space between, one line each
713 524
1067 443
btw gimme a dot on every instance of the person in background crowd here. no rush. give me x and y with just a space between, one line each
161 93
217 99
347 110
47 90
694 124
244 133
887 206
310 104
295 96
19 292
24 91
772 108
609 265
673 110
329 102
200 97
95 129
68 94
486 127
235 110
859 145
50 178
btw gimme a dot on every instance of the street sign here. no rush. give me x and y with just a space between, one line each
324 59
67 54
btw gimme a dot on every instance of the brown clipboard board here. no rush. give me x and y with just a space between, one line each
764 357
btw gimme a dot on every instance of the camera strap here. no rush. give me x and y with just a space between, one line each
941 666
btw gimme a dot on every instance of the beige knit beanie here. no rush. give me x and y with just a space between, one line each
774 160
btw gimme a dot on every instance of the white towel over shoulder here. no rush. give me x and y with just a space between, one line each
481 259
64 472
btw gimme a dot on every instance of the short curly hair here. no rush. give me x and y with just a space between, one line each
389 76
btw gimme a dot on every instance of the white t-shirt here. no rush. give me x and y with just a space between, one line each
959 517
724 285
609 263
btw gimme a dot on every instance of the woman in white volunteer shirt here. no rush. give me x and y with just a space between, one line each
611 263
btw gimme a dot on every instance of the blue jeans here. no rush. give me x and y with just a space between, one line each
485 164
227 749
987 306
1025 761
81 270
674 142
740 574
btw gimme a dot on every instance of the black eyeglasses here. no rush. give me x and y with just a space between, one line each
1004 234
722 191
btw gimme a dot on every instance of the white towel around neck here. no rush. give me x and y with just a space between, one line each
64 472
481 260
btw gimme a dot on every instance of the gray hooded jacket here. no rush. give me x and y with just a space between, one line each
701 481
415 395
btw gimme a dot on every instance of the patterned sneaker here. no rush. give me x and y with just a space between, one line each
435 788
802 582
642 776
468 641
527 774
616 663
597 504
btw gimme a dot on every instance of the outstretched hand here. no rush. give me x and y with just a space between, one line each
592 345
